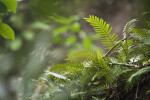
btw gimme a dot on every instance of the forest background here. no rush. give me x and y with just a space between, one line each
46 31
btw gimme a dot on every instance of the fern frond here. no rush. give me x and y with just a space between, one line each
127 43
103 30
94 56
101 61
141 35
135 77
69 68
48 73
88 75
82 56
128 28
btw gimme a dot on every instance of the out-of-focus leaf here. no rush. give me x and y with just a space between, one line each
148 92
3 8
76 96
60 30
87 43
58 40
95 98
40 25
75 27
45 8
28 35
16 44
17 21
148 23
95 47
146 40
62 20
70 40
10 4
6 31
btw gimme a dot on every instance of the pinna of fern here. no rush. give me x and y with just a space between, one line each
103 30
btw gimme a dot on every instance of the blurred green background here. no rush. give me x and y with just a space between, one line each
47 30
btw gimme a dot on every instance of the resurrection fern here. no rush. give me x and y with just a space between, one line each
103 30
85 70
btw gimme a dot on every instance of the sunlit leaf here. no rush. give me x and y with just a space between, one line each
6 31
70 40
87 43
75 27
10 4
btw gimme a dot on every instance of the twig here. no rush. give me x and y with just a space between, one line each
127 65
137 89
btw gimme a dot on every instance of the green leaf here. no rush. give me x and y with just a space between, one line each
40 25
16 44
103 30
10 4
60 30
3 8
70 40
75 27
87 43
6 31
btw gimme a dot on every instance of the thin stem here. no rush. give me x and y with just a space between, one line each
127 65
113 47
136 93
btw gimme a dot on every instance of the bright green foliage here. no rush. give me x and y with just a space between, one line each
87 43
87 73
82 56
70 40
10 4
5 7
103 30
6 31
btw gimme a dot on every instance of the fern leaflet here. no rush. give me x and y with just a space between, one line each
103 30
